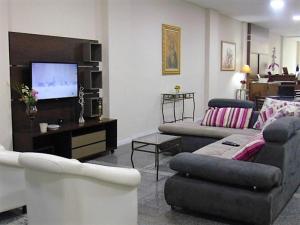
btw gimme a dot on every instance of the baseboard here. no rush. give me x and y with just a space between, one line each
129 139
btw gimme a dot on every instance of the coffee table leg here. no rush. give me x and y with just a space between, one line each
132 150
156 161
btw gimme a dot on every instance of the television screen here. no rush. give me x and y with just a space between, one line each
54 80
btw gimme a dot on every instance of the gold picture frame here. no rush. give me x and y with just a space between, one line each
228 56
171 49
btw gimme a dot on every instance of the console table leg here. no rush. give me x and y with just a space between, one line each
182 116
162 110
132 150
174 109
194 107
157 161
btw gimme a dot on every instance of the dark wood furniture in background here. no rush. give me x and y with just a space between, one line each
71 140
25 48
262 90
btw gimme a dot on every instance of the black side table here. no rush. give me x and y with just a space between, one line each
177 97
161 143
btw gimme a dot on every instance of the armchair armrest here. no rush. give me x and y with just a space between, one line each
116 175
227 171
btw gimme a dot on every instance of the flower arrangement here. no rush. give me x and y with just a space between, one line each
28 96
243 84
177 88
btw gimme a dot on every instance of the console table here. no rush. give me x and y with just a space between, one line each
177 97
71 140
241 94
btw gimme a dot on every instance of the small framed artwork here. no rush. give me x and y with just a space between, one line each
228 56
170 49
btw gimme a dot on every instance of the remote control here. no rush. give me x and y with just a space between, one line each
230 143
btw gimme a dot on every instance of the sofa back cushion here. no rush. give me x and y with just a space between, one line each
227 117
233 103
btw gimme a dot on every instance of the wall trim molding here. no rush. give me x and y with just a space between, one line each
129 139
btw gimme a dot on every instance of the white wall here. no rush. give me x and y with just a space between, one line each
222 84
5 109
69 18
289 53
135 49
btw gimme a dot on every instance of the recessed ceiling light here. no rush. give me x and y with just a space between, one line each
296 18
277 4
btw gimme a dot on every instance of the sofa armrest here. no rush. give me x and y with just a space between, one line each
282 129
227 171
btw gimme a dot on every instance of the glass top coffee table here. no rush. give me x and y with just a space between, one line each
160 142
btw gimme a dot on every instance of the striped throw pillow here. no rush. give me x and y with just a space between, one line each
253 147
227 117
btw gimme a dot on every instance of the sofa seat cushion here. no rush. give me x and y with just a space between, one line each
194 129
217 149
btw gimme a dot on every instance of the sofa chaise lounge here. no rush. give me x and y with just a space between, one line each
194 136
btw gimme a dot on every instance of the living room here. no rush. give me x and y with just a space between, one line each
130 33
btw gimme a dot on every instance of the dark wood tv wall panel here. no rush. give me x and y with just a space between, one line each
24 48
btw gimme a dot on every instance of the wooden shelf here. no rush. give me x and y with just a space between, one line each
92 80
92 52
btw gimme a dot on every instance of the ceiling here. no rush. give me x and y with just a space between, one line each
259 12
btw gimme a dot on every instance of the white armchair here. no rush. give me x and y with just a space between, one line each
61 191
12 186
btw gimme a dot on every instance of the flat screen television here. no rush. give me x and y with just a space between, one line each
54 80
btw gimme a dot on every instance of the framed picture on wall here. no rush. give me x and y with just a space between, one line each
228 56
170 49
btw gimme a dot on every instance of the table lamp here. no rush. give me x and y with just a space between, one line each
245 70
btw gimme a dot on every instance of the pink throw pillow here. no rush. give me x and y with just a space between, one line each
227 117
247 152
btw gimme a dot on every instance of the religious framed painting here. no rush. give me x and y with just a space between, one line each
170 49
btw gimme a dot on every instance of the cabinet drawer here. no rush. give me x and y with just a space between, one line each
88 150
87 139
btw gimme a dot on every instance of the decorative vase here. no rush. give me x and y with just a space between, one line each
31 111
243 86
81 103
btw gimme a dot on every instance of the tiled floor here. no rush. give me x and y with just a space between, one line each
153 210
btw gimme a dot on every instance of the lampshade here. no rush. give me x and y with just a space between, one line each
246 69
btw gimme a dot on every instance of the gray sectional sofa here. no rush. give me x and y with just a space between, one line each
252 192
195 136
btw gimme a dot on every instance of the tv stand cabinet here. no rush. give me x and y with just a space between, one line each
71 140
